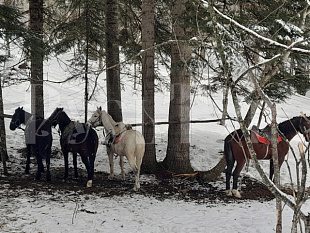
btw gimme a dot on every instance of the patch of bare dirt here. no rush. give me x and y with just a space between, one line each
162 186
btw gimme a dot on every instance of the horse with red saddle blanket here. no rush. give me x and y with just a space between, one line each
236 150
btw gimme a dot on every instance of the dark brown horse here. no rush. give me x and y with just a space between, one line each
77 138
38 138
236 150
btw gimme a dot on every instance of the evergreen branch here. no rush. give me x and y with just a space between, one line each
270 41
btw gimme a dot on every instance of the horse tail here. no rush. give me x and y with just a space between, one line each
229 156
230 160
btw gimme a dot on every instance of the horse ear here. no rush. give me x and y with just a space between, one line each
21 108
100 108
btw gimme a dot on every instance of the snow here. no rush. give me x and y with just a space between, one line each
262 38
135 212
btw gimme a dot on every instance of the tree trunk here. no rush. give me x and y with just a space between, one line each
177 158
149 163
274 146
214 173
86 61
225 105
112 61
3 150
251 112
36 56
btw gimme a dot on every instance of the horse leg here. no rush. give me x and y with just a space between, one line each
230 162
229 168
271 170
136 171
89 172
75 165
121 164
236 175
39 162
137 181
28 159
111 162
48 162
138 162
65 153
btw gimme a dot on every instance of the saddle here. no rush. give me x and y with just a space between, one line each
262 135
36 127
114 139
75 132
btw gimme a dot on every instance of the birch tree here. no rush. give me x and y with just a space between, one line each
260 89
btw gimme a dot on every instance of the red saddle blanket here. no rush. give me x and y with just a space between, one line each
117 139
262 139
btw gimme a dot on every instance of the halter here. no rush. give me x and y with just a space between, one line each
99 118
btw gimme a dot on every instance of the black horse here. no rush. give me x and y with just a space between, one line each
77 138
38 139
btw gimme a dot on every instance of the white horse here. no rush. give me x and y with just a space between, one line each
123 141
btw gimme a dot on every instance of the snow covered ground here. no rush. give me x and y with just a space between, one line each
135 212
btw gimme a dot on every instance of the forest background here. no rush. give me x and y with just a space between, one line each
206 46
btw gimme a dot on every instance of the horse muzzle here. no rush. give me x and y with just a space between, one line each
12 126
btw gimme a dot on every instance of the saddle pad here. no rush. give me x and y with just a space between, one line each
264 140
117 139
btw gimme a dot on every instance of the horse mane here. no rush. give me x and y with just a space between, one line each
291 125
65 120
62 118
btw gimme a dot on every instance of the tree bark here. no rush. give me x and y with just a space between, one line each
149 163
86 61
274 146
177 158
3 149
36 56
112 61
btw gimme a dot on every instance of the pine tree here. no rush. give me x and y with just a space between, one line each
149 164
177 157
79 26
11 28
112 61
36 56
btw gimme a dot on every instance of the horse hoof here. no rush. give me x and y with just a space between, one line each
236 193
89 184
228 193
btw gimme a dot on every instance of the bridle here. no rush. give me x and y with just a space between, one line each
99 118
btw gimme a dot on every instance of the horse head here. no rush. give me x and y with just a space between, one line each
18 118
95 119
305 127
54 117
